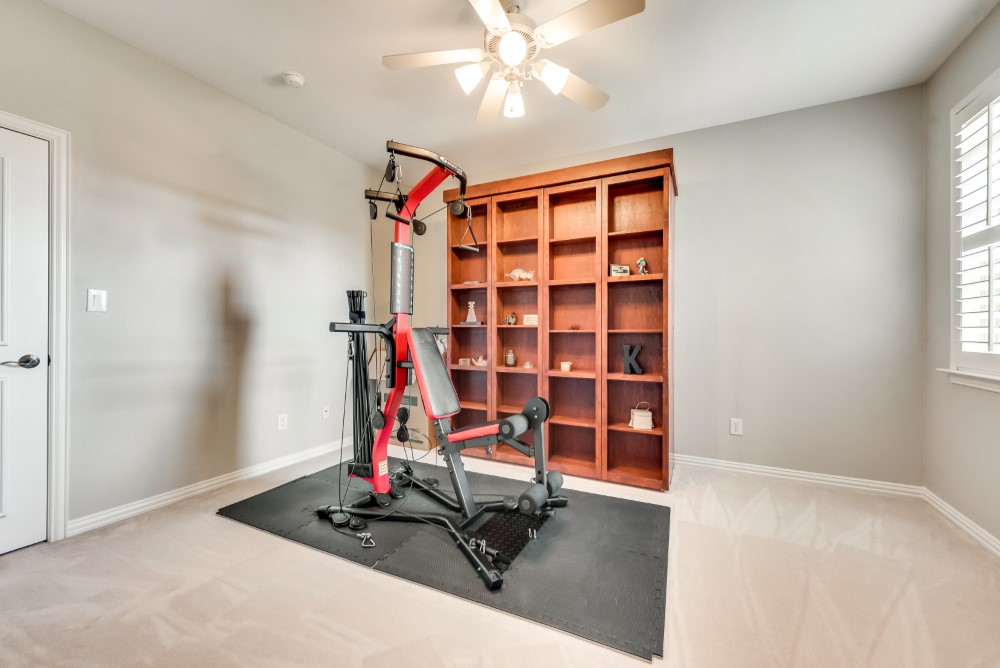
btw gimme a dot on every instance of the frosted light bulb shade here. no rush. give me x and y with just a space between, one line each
513 48
513 106
553 76
469 76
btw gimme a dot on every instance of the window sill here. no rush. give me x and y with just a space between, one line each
980 381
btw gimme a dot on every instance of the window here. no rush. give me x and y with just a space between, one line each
976 232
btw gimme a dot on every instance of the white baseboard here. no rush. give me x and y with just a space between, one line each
105 517
978 533
966 525
970 528
791 474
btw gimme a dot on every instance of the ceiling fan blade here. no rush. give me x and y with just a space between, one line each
591 15
407 61
492 102
492 14
585 94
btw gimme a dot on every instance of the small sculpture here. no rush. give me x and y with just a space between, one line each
574 328
529 365
521 275
510 319
510 359
642 265
631 363
471 318
479 361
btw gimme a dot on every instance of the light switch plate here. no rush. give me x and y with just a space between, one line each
97 300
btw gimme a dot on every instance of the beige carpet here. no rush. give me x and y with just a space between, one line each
762 572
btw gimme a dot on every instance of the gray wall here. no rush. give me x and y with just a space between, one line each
962 458
225 240
799 286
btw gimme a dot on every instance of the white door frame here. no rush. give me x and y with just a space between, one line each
58 409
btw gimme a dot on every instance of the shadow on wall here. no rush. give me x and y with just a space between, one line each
218 427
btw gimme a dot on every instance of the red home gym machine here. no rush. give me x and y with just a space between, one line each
413 352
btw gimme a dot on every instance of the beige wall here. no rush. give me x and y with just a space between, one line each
962 457
225 241
799 286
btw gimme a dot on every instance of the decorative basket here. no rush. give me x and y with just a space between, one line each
642 418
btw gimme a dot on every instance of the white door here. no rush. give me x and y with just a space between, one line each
24 302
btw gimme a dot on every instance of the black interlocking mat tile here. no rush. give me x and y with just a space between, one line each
508 533
597 568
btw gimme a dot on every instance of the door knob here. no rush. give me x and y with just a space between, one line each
25 362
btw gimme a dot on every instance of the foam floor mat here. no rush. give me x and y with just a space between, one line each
597 569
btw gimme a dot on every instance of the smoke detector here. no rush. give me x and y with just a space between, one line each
293 79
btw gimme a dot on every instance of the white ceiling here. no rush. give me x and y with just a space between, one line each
680 65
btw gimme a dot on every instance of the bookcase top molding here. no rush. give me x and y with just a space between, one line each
604 168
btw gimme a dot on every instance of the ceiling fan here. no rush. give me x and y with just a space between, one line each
512 44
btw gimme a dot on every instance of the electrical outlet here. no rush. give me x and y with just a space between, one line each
282 421
736 426
326 412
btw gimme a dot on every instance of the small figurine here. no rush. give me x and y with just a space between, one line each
471 318
642 265
574 328
510 359
510 319
521 275
479 361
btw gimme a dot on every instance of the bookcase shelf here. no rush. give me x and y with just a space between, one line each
568 226
635 278
625 234
573 281
623 426
459 367
517 240
516 284
558 373
636 378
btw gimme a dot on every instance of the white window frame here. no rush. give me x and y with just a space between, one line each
981 370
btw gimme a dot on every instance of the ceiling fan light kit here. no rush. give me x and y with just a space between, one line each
513 48
551 75
513 106
512 42
470 75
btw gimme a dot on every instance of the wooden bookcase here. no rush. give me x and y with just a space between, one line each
569 226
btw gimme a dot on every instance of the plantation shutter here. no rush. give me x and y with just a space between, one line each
977 230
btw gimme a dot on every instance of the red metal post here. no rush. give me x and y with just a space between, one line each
380 456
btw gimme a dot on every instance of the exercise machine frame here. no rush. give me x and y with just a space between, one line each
414 351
